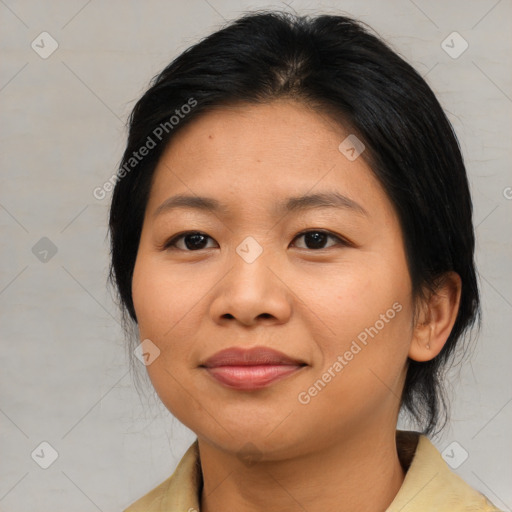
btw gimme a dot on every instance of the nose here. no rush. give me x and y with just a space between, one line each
252 293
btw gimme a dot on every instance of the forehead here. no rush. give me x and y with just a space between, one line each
262 153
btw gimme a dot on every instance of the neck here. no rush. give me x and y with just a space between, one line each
359 472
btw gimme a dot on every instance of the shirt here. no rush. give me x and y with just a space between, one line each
429 484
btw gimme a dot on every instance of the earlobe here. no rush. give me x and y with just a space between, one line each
435 323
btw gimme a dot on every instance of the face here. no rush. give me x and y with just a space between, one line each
326 285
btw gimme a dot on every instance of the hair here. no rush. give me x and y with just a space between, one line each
338 67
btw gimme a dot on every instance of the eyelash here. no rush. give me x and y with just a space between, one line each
171 243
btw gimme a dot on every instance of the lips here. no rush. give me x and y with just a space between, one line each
251 369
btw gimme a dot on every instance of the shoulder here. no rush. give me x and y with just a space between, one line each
180 492
151 501
430 484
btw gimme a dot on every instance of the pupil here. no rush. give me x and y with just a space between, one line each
316 239
195 238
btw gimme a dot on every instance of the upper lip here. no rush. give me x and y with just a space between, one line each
235 356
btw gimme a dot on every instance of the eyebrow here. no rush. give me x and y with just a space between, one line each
292 204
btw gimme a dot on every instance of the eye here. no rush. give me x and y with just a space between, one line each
315 239
194 241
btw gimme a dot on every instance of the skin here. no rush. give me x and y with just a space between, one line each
338 451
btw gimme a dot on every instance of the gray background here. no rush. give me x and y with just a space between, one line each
65 376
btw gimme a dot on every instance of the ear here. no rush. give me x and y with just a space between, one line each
437 316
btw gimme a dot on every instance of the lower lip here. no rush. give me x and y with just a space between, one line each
251 377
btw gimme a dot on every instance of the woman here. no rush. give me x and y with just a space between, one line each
291 234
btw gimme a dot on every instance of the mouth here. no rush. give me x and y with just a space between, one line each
251 369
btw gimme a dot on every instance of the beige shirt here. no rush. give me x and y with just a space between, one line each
429 485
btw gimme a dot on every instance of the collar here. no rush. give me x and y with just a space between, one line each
429 483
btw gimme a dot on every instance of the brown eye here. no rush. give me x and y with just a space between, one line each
316 239
193 241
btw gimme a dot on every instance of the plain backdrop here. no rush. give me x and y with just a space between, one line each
64 375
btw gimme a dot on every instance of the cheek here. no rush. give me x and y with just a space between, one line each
159 308
167 308
353 299
160 298
368 312
362 370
